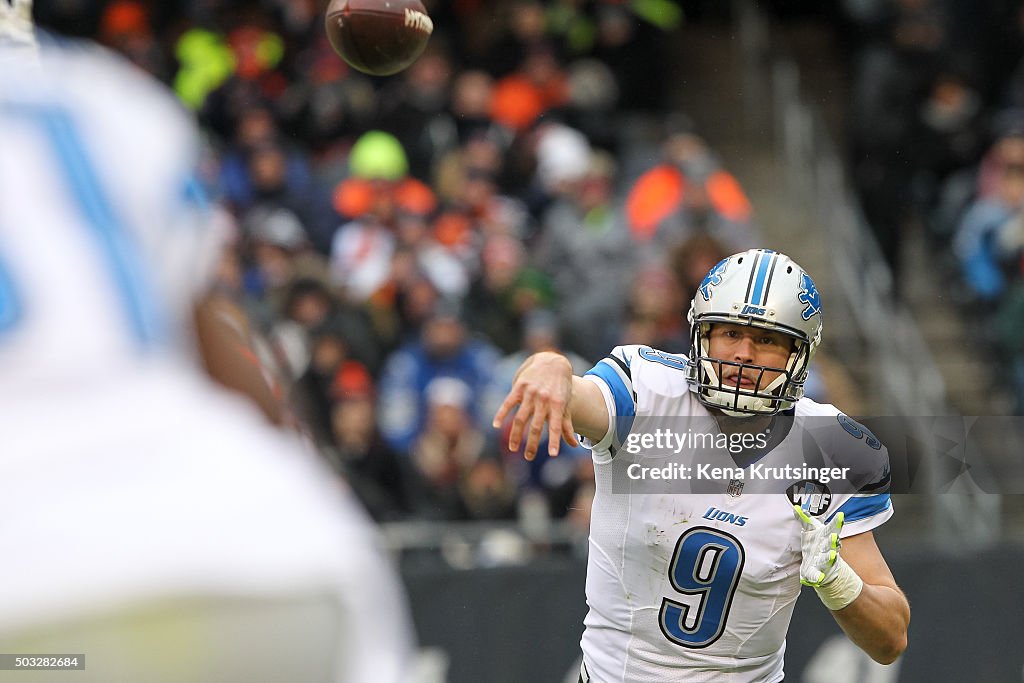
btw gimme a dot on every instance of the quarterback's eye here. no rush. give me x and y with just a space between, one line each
768 339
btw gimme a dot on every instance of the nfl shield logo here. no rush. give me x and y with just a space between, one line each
735 488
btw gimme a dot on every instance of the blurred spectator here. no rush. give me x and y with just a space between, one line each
343 345
259 171
689 193
307 305
562 154
374 471
506 291
447 448
540 85
487 492
693 259
277 253
414 107
630 47
472 91
892 76
125 27
979 180
977 238
443 347
390 210
656 312
588 252
468 180
593 96
950 133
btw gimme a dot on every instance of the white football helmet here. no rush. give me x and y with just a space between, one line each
765 289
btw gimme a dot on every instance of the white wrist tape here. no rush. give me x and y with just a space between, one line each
841 590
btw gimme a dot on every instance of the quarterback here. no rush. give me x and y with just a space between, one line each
697 584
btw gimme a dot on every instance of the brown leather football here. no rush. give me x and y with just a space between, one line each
378 37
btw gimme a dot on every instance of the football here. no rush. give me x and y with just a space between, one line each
378 37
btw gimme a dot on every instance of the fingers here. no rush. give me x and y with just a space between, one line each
529 419
536 407
511 401
533 435
519 422
801 514
556 425
569 432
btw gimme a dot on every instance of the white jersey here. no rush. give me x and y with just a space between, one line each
154 492
150 520
702 586
104 235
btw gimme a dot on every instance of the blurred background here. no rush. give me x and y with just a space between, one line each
561 175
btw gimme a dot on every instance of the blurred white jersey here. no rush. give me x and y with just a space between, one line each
149 520
701 586
154 522
104 238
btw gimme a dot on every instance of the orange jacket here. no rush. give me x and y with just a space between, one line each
660 191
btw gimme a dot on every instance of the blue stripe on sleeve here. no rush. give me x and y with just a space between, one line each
624 405
864 507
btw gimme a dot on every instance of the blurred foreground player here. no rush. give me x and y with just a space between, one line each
151 521
702 586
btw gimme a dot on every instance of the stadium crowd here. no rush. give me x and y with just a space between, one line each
399 244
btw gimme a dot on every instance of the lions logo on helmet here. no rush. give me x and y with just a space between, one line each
763 289
809 295
714 277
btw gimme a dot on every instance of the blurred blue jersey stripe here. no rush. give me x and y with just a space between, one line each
10 305
114 241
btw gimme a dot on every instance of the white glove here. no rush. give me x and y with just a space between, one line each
16 27
835 582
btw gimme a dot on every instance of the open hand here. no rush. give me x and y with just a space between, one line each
543 390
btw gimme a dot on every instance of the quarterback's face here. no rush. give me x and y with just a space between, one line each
749 346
